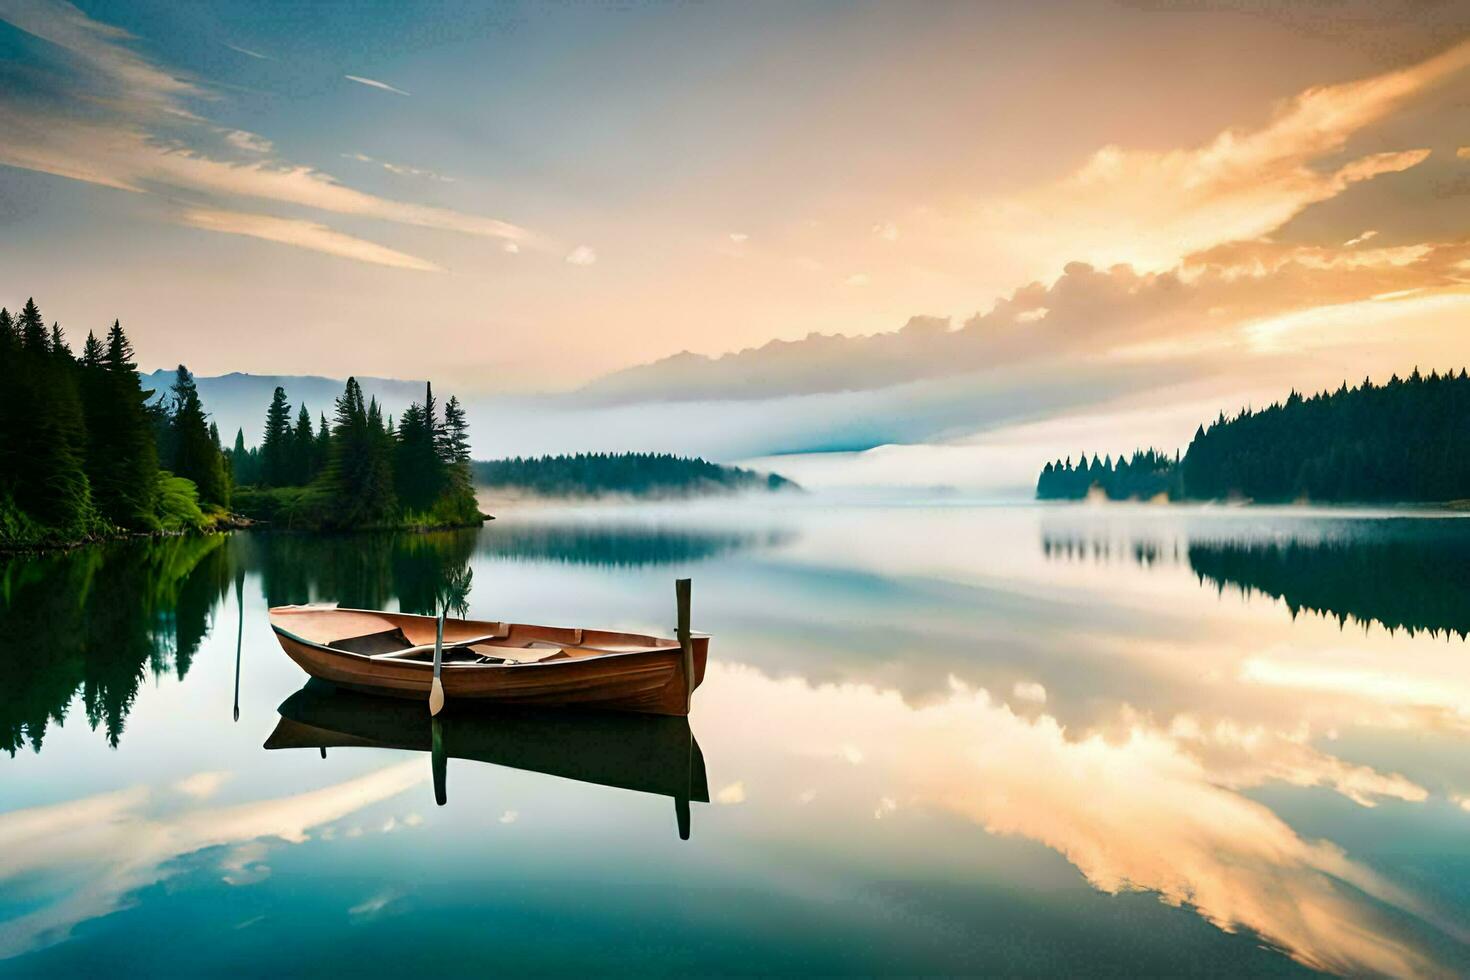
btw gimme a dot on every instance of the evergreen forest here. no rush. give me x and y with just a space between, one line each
1406 441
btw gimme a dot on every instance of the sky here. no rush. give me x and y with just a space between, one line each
750 229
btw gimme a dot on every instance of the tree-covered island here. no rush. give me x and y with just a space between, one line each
1407 441
658 476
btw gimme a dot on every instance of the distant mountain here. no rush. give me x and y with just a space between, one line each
238 401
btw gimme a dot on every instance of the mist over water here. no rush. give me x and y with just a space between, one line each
937 735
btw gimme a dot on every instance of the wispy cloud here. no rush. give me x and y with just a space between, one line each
1151 208
374 83
581 255
248 52
248 141
131 149
302 234
101 48
402 170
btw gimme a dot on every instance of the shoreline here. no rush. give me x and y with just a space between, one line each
235 522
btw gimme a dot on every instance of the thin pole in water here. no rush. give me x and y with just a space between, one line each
686 643
239 634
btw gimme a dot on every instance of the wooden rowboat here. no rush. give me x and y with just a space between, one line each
509 663
641 753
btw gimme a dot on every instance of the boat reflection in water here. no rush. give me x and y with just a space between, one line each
644 753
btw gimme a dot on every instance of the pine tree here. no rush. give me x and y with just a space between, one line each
46 440
59 347
122 453
196 451
32 328
359 477
419 470
241 471
456 448
303 449
275 447
9 339
92 352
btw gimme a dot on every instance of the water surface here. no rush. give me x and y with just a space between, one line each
957 738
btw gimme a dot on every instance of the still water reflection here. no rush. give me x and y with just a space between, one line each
934 739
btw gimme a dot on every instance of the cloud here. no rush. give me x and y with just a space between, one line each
1030 691
581 255
739 237
127 158
397 168
1151 208
858 279
731 794
248 52
302 234
370 907
1360 238
509 817
250 142
129 78
202 785
887 230
139 133
122 844
511 248
1198 316
373 83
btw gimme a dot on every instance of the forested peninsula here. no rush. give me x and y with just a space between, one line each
658 476
1407 441
87 453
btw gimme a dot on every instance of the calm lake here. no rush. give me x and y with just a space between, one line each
935 737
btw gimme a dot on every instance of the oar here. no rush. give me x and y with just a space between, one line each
436 692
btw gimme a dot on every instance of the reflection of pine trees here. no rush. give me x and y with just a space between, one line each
362 571
617 547
1417 583
98 621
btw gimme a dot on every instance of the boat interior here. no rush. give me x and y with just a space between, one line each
383 636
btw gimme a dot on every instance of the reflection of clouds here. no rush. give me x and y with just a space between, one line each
1243 757
1405 696
1136 812
370 907
115 846
731 794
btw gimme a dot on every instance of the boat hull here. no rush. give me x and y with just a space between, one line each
651 681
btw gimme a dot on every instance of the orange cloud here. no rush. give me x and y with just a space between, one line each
302 234
1152 208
